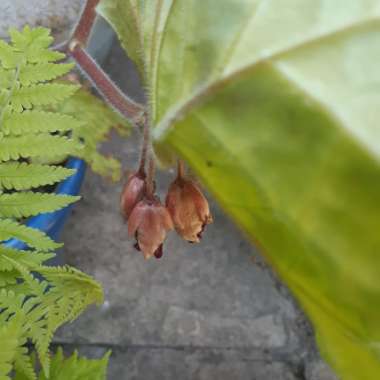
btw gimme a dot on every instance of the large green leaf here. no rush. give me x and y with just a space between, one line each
276 105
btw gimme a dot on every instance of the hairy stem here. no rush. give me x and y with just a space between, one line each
144 147
181 169
82 30
110 92
150 186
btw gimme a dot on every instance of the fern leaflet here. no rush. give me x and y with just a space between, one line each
73 368
98 121
41 95
9 338
30 259
42 72
23 176
32 237
14 148
24 204
31 122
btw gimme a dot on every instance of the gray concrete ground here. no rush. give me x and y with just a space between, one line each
59 15
207 311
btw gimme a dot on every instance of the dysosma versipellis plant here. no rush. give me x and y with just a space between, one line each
186 208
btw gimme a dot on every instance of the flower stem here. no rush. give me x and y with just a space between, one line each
181 169
144 147
150 185
110 92
83 28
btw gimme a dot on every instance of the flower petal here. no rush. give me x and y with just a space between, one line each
135 218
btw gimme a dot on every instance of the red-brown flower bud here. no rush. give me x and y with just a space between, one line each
188 208
149 222
132 193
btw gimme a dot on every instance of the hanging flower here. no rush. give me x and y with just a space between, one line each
132 193
188 208
149 222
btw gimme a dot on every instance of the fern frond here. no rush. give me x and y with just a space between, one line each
42 72
31 128
98 120
80 290
49 303
26 308
23 364
9 338
73 368
8 57
59 298
41 94
11 303
6 76
32 122
29 259
29 302
105 166
32 237
77 368
8 278
70 278
60 310
34 44
23 176
14 148
25 204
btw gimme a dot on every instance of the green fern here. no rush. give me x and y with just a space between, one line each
10 335
41 94
24 204
97 122
14 148
32 237
30 259
40 120
23 176
57 299
31 122
60 297
34 44
8 278
73 368
41 72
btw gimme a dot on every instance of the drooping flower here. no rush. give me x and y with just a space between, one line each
188 208
149 222
132 193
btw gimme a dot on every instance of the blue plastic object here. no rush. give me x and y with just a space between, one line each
52 223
